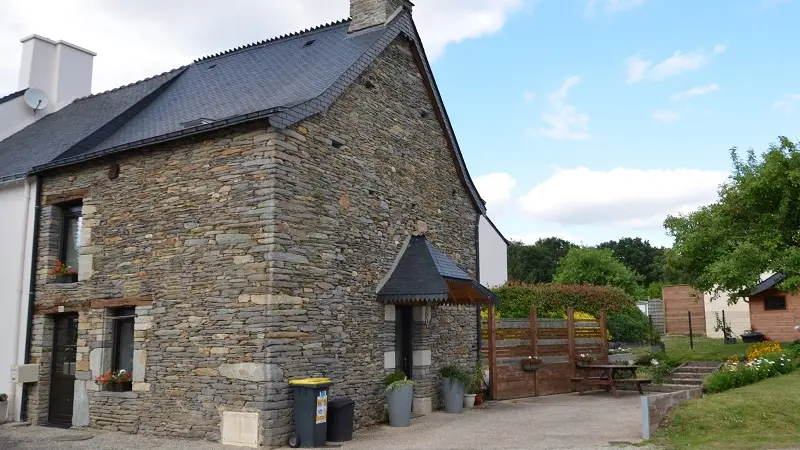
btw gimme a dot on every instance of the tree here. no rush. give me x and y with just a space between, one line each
598 267
639 256
536 263
753 228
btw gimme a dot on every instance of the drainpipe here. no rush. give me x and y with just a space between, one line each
37 214
19 297
478 277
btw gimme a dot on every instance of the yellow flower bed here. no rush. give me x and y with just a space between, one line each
760 349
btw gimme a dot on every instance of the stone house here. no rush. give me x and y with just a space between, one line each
296 207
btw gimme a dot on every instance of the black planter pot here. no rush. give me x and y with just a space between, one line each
64 279
752 338
530 367
730 341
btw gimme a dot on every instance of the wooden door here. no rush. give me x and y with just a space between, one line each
62 376
404 332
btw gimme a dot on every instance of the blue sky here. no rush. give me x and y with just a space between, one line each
658 91
586 119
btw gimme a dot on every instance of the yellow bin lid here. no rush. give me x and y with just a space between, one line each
310 382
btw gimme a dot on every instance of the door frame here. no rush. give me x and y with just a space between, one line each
64 394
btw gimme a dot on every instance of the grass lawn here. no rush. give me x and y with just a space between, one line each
705 349
763 415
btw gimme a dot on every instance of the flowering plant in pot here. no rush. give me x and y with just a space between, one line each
480 383
399 396
584 359
64 273
530 364
119 381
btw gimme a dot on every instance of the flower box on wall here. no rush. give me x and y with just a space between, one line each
65 279
119 387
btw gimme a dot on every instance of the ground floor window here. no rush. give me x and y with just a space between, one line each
122 349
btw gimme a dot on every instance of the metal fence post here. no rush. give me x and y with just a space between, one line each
691 335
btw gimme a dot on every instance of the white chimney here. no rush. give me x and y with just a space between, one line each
371 13
62 70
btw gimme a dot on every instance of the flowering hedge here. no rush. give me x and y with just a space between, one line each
552 300
738 374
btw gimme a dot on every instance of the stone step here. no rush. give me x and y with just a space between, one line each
687 381
689 375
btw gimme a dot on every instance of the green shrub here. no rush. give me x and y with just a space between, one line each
552 300
734 375
629 325
393 377
660 371
793 349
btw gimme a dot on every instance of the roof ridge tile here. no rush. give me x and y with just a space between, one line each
281 37
143 80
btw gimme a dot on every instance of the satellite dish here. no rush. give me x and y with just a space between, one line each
36 99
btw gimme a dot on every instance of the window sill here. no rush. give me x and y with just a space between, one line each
128 394
64 285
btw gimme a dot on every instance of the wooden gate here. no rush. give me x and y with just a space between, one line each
557 342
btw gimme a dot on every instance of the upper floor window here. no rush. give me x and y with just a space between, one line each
775 303
70 234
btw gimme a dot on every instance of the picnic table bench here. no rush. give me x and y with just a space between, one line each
606 378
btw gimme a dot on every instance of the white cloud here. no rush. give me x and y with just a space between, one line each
612 6
638 69
531 238
787 103
665 116
495 189
694 92
563 120
135 40
622 197
529 96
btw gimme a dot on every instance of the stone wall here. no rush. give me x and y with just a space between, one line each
252 256
355 182
655 408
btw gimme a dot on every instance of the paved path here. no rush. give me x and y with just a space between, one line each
593 421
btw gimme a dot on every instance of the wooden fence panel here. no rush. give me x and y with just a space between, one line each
506 342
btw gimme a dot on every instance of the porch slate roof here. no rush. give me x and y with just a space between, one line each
421 274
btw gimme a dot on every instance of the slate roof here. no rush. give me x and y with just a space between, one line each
72 126
12 96
420 275
768 284
286 79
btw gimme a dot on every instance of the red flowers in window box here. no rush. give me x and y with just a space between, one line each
64 273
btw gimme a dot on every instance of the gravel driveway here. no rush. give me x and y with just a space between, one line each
592 421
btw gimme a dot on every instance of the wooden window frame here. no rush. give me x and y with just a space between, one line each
120 316
767 297
70 210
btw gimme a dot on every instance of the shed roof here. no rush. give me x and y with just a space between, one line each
768 284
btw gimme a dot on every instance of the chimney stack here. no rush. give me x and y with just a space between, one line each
62 70
371 13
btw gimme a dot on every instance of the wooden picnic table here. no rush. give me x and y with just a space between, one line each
606 378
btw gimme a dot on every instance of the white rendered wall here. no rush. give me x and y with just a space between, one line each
16 115
493 255
738 315
17 209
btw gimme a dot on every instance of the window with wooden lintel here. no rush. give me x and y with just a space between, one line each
70 233
122 339
775 303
